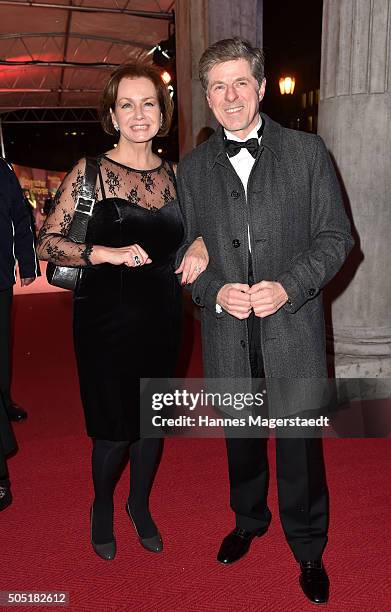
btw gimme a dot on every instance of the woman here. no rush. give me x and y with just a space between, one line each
127 306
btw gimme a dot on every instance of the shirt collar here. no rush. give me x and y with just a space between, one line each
271 139
252 134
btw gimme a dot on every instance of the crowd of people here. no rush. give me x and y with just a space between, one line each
252 222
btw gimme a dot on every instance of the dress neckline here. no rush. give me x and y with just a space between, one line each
113 161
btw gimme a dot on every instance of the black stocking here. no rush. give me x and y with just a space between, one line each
144 460
107 460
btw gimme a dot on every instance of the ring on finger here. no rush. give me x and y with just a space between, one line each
197 269
137 261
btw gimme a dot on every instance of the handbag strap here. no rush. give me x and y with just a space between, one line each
85 202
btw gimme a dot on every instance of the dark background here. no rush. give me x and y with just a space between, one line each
292 45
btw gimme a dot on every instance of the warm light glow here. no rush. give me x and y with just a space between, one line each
166 77
287 85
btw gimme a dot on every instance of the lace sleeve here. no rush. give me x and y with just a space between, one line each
52 244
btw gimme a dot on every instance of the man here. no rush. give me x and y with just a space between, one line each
267 203
16 244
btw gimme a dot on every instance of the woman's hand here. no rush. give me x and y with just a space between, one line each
132 255
194 261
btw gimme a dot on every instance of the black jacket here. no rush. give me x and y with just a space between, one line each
16 234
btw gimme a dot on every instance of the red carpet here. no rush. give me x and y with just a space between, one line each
45 533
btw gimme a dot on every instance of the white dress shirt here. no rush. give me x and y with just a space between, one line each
244 161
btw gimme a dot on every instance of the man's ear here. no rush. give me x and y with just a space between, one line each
208 101
262 90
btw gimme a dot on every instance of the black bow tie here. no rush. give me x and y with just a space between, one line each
233 147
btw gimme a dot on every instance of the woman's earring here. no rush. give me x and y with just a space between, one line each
161 120
116 127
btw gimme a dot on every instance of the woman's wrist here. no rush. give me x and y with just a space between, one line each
86 254
97 254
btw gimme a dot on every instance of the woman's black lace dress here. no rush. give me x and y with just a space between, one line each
126 320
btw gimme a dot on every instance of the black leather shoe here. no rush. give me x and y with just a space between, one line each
236 544
314 581
5 496
16 413
106 551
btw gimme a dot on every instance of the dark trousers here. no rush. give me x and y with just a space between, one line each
301 478
5 342
6 437
3 467
3 463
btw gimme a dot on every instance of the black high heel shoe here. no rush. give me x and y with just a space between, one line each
105 551
153 544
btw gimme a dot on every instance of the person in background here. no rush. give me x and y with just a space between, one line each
48 204
7 446
16 247
31 205
203 135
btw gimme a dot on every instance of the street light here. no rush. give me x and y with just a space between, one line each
287 85
166 77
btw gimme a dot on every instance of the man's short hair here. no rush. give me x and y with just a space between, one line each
232 49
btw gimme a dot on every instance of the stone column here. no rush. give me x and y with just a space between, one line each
228 18
191 27
355 122
199 23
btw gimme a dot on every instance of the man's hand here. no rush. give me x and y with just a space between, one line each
26 281
194 261
235 299
267 297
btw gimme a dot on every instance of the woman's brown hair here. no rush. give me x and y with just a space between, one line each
135 70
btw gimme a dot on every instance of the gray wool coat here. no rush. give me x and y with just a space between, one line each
300 237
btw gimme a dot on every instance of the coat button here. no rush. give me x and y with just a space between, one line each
235 194
198 300
242 344
236 243
311 291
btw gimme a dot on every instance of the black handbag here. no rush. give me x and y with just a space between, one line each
67 277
